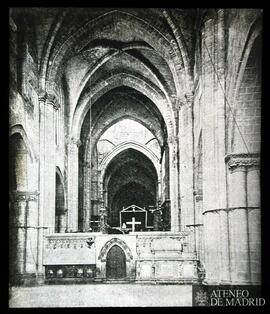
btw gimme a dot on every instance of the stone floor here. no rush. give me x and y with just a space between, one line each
101 295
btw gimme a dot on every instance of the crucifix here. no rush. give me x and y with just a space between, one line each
133 223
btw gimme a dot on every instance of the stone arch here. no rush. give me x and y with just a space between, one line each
162 84
107 120
124 79
115 241
18 128
124 146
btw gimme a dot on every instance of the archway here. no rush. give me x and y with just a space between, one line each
116 263
130 178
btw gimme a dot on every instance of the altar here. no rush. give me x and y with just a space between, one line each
135 257
135 218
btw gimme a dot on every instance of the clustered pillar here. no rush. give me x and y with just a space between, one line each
244 218
23 230
48 105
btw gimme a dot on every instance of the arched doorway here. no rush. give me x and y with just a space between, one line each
116 263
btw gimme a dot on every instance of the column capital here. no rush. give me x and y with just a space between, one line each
49 99
189 97
242 161
72 141
17 196
52 100
186 101
42 95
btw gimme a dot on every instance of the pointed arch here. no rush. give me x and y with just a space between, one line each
124 146
124 79
115 241
18 128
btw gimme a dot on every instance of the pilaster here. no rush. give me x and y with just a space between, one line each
173 161
48 105
186 160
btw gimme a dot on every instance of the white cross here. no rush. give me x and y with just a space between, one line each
133 223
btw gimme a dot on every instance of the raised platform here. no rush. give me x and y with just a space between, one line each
160 257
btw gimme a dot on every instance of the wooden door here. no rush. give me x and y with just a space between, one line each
115 263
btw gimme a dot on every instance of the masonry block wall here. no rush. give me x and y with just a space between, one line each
248 104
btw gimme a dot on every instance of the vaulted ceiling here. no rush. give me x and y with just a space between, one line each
83 46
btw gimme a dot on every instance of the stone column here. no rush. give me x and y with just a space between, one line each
24 235
47 105
62 222
214 149
254 221
32 233
244 218
186 161
173 147
157 219
73 174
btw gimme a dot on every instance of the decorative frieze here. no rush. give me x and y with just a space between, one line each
67 243
17 196
242 161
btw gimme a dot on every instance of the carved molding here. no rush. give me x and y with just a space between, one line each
42 95
218 210
72 141
52 100
186 101
109 244
17 196
242 161
189 98
49 99
66 243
